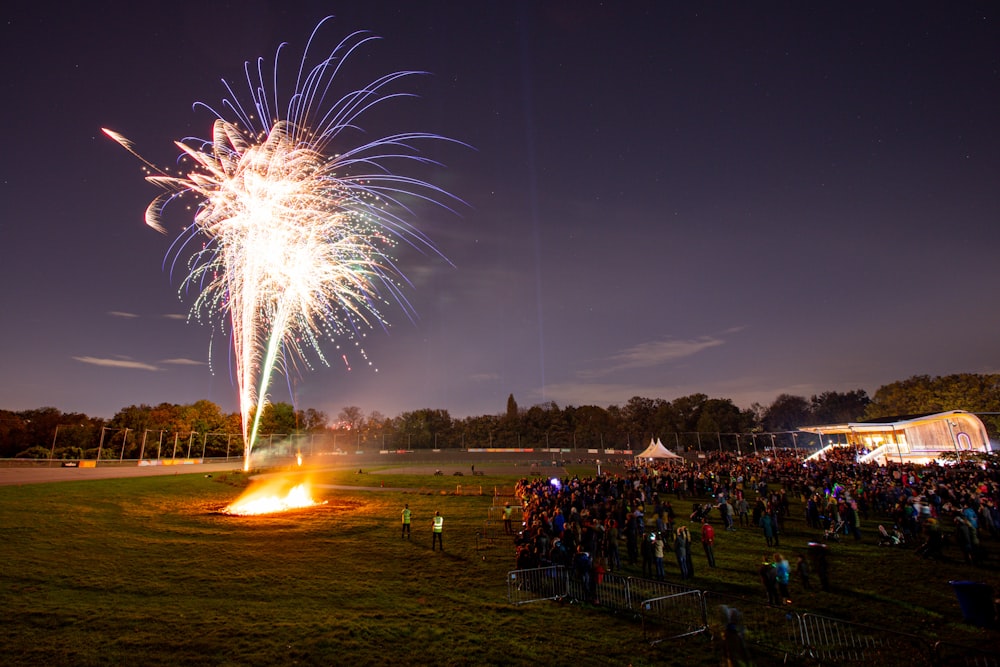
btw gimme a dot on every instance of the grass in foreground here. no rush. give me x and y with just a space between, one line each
148 572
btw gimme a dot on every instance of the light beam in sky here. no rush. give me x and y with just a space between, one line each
295 224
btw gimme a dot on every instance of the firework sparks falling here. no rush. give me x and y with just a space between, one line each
296 240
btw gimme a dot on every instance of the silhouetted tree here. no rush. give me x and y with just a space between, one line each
787 413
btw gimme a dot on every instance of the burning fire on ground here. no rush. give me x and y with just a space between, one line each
272 497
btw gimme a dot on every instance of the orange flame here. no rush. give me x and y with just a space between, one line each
268 501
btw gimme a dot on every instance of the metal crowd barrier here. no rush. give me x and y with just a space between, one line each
536 584
778 630
503 496
491 534
613 593
954 655
668 611
673 616
645 589
830 641
495 513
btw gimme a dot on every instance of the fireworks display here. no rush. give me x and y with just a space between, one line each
295 226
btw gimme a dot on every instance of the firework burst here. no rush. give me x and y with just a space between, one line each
294 232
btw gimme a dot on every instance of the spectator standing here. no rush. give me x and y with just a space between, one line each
647 555
726 510
782 573
611 545
802 567
687 551
681 551
769 578
768 527
583 566
658 555
708 541
631 539
820 563
853 521
743 507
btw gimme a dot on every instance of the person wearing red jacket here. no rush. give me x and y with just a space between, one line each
708 540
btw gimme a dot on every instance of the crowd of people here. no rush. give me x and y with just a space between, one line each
595 525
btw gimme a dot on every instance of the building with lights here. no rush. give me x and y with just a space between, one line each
913 439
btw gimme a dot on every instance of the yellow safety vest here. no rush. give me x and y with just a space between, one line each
406 516
438 524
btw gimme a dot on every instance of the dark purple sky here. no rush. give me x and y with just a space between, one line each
739 199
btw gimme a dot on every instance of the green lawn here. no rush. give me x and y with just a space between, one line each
148 572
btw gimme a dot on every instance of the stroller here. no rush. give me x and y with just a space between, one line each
834 531
699 512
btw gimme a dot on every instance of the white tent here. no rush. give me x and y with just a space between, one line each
656 450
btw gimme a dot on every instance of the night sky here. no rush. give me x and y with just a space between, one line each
661 198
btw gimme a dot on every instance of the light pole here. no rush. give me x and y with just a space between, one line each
52 454
100 445
124 441
142 448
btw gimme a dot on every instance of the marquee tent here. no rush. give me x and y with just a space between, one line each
656 450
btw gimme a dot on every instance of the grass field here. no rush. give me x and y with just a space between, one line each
148 572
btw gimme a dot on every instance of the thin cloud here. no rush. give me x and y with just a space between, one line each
175 316
122 314
183 362
654 353
117 363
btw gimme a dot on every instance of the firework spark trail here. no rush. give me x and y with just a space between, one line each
298 238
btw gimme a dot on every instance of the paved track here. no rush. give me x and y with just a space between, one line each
450 463
32 475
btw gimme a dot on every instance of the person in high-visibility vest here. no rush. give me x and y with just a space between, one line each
436 537
407 516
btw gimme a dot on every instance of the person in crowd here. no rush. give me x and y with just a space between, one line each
614 558
708 541
687 551
743 508
802 568
725 513
782 575
768 528
658 546
681 551
646 551
769 578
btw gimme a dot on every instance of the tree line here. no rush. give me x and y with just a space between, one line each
202 429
